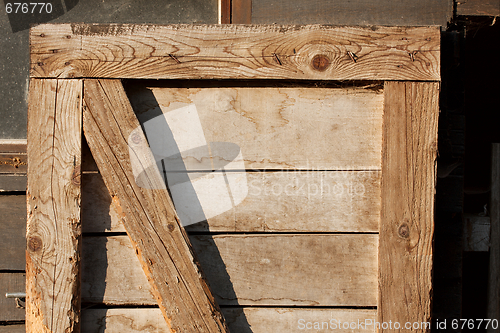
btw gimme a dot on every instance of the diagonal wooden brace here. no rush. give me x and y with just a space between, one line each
160 242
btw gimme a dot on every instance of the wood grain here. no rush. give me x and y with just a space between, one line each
281 128
9 309
53 196
159 240
408 187
276 202
494 271
278 270
234 51
13 231
240 320
241 11
13 146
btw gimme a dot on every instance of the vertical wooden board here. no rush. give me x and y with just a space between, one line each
275 128
12 183
494 272
408 185
240 320
357 13
117 142
13 231
9 309
53 228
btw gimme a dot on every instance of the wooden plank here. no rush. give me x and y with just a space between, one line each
12 183
10 310
241 12
13 329
275 128
274 269
326 201
478 7
494 271
13 231
312 52
13 146
13 163
53 195
408 186
347 12
160 242
241 320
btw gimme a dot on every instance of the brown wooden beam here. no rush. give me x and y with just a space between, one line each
407 218
53 197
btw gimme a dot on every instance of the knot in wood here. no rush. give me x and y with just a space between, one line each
404 231
35 244
76 176
320 62
136 138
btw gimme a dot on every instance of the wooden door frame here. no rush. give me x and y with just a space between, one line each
75 71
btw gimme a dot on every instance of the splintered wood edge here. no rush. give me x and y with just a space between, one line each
309 52
407 215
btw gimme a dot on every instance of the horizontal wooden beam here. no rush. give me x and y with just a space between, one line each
313 52
240 320
255 270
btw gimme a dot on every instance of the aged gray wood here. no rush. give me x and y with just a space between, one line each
312 52
13 163
407 214
13 329
303 201
10 283
13 183
294 269
160 243
240 320
275 128
13 231
357 12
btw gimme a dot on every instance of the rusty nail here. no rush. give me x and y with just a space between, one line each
174 57
35 243
170 227
42 35
67 63
68 37
404 231
40 64
320 62
277 59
